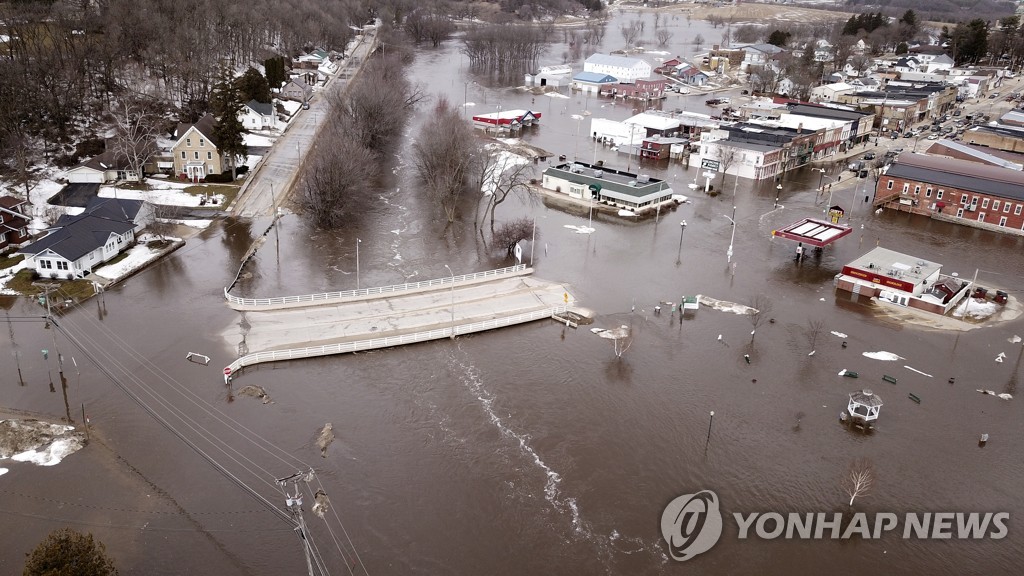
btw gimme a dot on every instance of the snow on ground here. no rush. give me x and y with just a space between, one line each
839 334
166 183
503 161
290 105
199 224
38 442
138 256
172 197
3 471
975 309
627 213
723 306
468 104
883 355
251 139
251 161
8 273
580 229
557 95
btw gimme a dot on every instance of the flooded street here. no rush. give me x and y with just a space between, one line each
534 449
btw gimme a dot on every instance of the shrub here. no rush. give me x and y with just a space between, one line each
243 169
218 178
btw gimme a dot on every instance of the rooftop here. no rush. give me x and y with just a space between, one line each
896 265
595 78
960 174
653 121
622 181
618 61
986 155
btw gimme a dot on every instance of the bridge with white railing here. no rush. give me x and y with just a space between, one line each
295 327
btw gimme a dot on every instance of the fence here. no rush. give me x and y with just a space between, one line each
236 302
387 342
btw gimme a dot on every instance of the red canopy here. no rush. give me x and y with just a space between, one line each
814 232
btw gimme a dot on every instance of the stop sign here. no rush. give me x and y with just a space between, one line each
227 370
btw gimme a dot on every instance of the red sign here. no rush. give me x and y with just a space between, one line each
879 279
227 370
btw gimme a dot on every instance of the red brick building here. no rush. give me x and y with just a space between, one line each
954 189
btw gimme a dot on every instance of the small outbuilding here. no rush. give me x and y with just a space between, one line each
863 408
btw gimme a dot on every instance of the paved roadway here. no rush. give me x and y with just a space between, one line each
396 315
277 173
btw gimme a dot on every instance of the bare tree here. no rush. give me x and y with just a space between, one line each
137 129
631 32
338 169
814 329
726 160
698 40
507 175
376 105
508 234
621 337
859 479
596 30
444 157
663 35
726 37
762 310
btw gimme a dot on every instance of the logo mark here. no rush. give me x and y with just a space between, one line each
691 524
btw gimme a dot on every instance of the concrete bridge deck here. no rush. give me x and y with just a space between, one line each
334 327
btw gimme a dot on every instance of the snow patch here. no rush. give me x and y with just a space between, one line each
580 229
883 355
1015 339
3 471
627 213
975 309
918 371
557 95
723 306
138 256
251 139
839 334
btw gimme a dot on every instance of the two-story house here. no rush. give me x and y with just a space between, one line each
195 151
13 222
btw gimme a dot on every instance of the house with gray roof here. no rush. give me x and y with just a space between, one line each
76 245
624 69
257 116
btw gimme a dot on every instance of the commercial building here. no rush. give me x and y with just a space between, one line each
606 185
623 69
902 279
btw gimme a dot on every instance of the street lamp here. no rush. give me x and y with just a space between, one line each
708 441
778 193
453 300
358 242
679 254
728 254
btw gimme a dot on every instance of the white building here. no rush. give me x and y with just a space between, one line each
830 92
555 76
620 133
625 70
941 62
257 116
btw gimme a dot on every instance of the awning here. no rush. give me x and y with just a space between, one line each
814 232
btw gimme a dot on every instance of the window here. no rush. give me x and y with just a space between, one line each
202 142
1002 220
46 264
984 203
1016 209
938 195
906 188
209 155
995 205
888 185
62 265
928 192
182 154
917 190
1006 208
963 199
196 155
188 141
981 216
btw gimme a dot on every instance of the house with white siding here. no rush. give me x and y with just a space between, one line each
76 245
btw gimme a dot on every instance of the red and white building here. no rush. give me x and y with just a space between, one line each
903 280
506 120
962 191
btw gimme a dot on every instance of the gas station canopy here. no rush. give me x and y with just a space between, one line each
818 233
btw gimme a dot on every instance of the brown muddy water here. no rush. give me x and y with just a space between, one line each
532 449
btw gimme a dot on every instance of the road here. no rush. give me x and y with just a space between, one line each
400 314
272 181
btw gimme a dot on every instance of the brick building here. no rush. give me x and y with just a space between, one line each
953 189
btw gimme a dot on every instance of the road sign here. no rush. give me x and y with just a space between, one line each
710 164
227 370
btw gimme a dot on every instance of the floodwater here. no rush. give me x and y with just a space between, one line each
533 449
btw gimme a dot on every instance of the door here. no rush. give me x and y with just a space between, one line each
959 212
981 216
1002 220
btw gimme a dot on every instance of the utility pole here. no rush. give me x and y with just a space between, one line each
294 503
708 441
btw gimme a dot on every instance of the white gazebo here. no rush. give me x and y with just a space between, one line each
864 406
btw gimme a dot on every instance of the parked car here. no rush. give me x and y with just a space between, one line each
933 137
956 113
894 135
305 105
993 95
869 156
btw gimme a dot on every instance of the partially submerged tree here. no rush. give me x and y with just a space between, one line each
814 329
506 175
859 479
663 35
66 552
443 156
510 233
762 306
631 32
338 169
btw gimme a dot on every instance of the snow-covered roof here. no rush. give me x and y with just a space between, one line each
617 61
653 121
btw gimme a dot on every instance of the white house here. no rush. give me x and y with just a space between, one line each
830 92
75 245
620 133
106 167
257 115
625 70
940 63
555 76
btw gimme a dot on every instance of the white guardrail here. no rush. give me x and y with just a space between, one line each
380 290
389 341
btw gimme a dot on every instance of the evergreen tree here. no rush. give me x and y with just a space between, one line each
851 27
902 48
275 71
253 86
66 552
225 104
910 19
778 38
